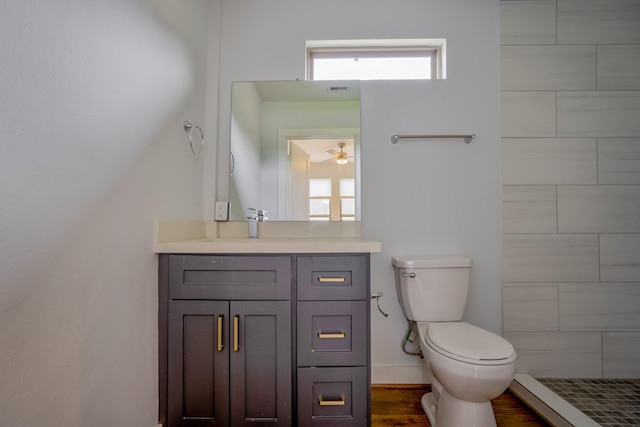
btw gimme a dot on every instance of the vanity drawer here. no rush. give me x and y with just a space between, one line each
333 397
230 277
332 333
341 277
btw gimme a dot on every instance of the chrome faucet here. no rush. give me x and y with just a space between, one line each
254 216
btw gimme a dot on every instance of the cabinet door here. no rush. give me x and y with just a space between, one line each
198 363
261 369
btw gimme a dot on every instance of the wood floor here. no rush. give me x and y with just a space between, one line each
395 405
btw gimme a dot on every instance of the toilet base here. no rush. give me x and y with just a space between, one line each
452 412
429 407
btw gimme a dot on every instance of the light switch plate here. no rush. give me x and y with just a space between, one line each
221 211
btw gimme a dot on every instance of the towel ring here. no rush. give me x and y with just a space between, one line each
188 128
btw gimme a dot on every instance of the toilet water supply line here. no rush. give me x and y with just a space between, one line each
409 337
376 296
411 334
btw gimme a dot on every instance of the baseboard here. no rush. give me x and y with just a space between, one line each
399 374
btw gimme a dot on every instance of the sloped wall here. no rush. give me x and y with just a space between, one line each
92 151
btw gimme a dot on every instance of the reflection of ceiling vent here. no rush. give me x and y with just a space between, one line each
338 89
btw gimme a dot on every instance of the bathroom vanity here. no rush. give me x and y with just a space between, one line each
274 332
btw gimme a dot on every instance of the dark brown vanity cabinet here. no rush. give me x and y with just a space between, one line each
333 356
275 340
229 346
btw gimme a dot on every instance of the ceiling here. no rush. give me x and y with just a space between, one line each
317 147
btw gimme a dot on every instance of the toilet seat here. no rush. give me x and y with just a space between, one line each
468 343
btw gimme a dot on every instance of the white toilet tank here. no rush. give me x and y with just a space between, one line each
432 288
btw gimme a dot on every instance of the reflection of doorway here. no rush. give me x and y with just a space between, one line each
321 159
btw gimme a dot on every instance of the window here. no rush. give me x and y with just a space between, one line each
376 60
347 199
324 191
320 199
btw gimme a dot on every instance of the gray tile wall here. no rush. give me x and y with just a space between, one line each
571 185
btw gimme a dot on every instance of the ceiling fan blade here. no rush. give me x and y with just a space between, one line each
333 152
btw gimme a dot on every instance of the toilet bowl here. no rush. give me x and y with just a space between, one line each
469 366
472 367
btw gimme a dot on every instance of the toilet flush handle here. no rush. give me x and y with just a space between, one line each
412 274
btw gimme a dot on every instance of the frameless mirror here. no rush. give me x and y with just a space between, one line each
295 150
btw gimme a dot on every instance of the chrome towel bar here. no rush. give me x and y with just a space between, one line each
467 138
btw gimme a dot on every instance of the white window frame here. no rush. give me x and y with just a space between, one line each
387 48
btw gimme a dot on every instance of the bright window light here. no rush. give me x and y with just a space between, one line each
320 187
347 187
372 68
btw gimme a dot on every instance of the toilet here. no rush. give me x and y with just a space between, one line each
469 366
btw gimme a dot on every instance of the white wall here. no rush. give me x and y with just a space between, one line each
91 152
432 197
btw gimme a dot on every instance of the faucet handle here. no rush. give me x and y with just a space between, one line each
262 215
252 213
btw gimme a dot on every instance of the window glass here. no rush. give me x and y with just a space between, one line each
319 209
320 187
348 207
347 187
355 68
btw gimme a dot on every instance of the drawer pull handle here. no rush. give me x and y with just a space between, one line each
331 335
331 279
220 345
341 402
236 324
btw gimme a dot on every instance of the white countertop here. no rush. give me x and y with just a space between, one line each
199 237
268 245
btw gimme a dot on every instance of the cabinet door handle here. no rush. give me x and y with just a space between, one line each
331 279
220 321
323 402
331 334
236 325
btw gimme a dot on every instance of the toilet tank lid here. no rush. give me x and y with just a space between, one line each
431 261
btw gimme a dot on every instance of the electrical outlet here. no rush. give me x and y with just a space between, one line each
221 211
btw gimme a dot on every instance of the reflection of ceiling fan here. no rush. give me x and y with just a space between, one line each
341 156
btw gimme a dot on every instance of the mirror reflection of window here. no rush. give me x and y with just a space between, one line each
332 199
347 199
327 169
320 199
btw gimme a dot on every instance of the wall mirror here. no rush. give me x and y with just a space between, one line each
295 150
